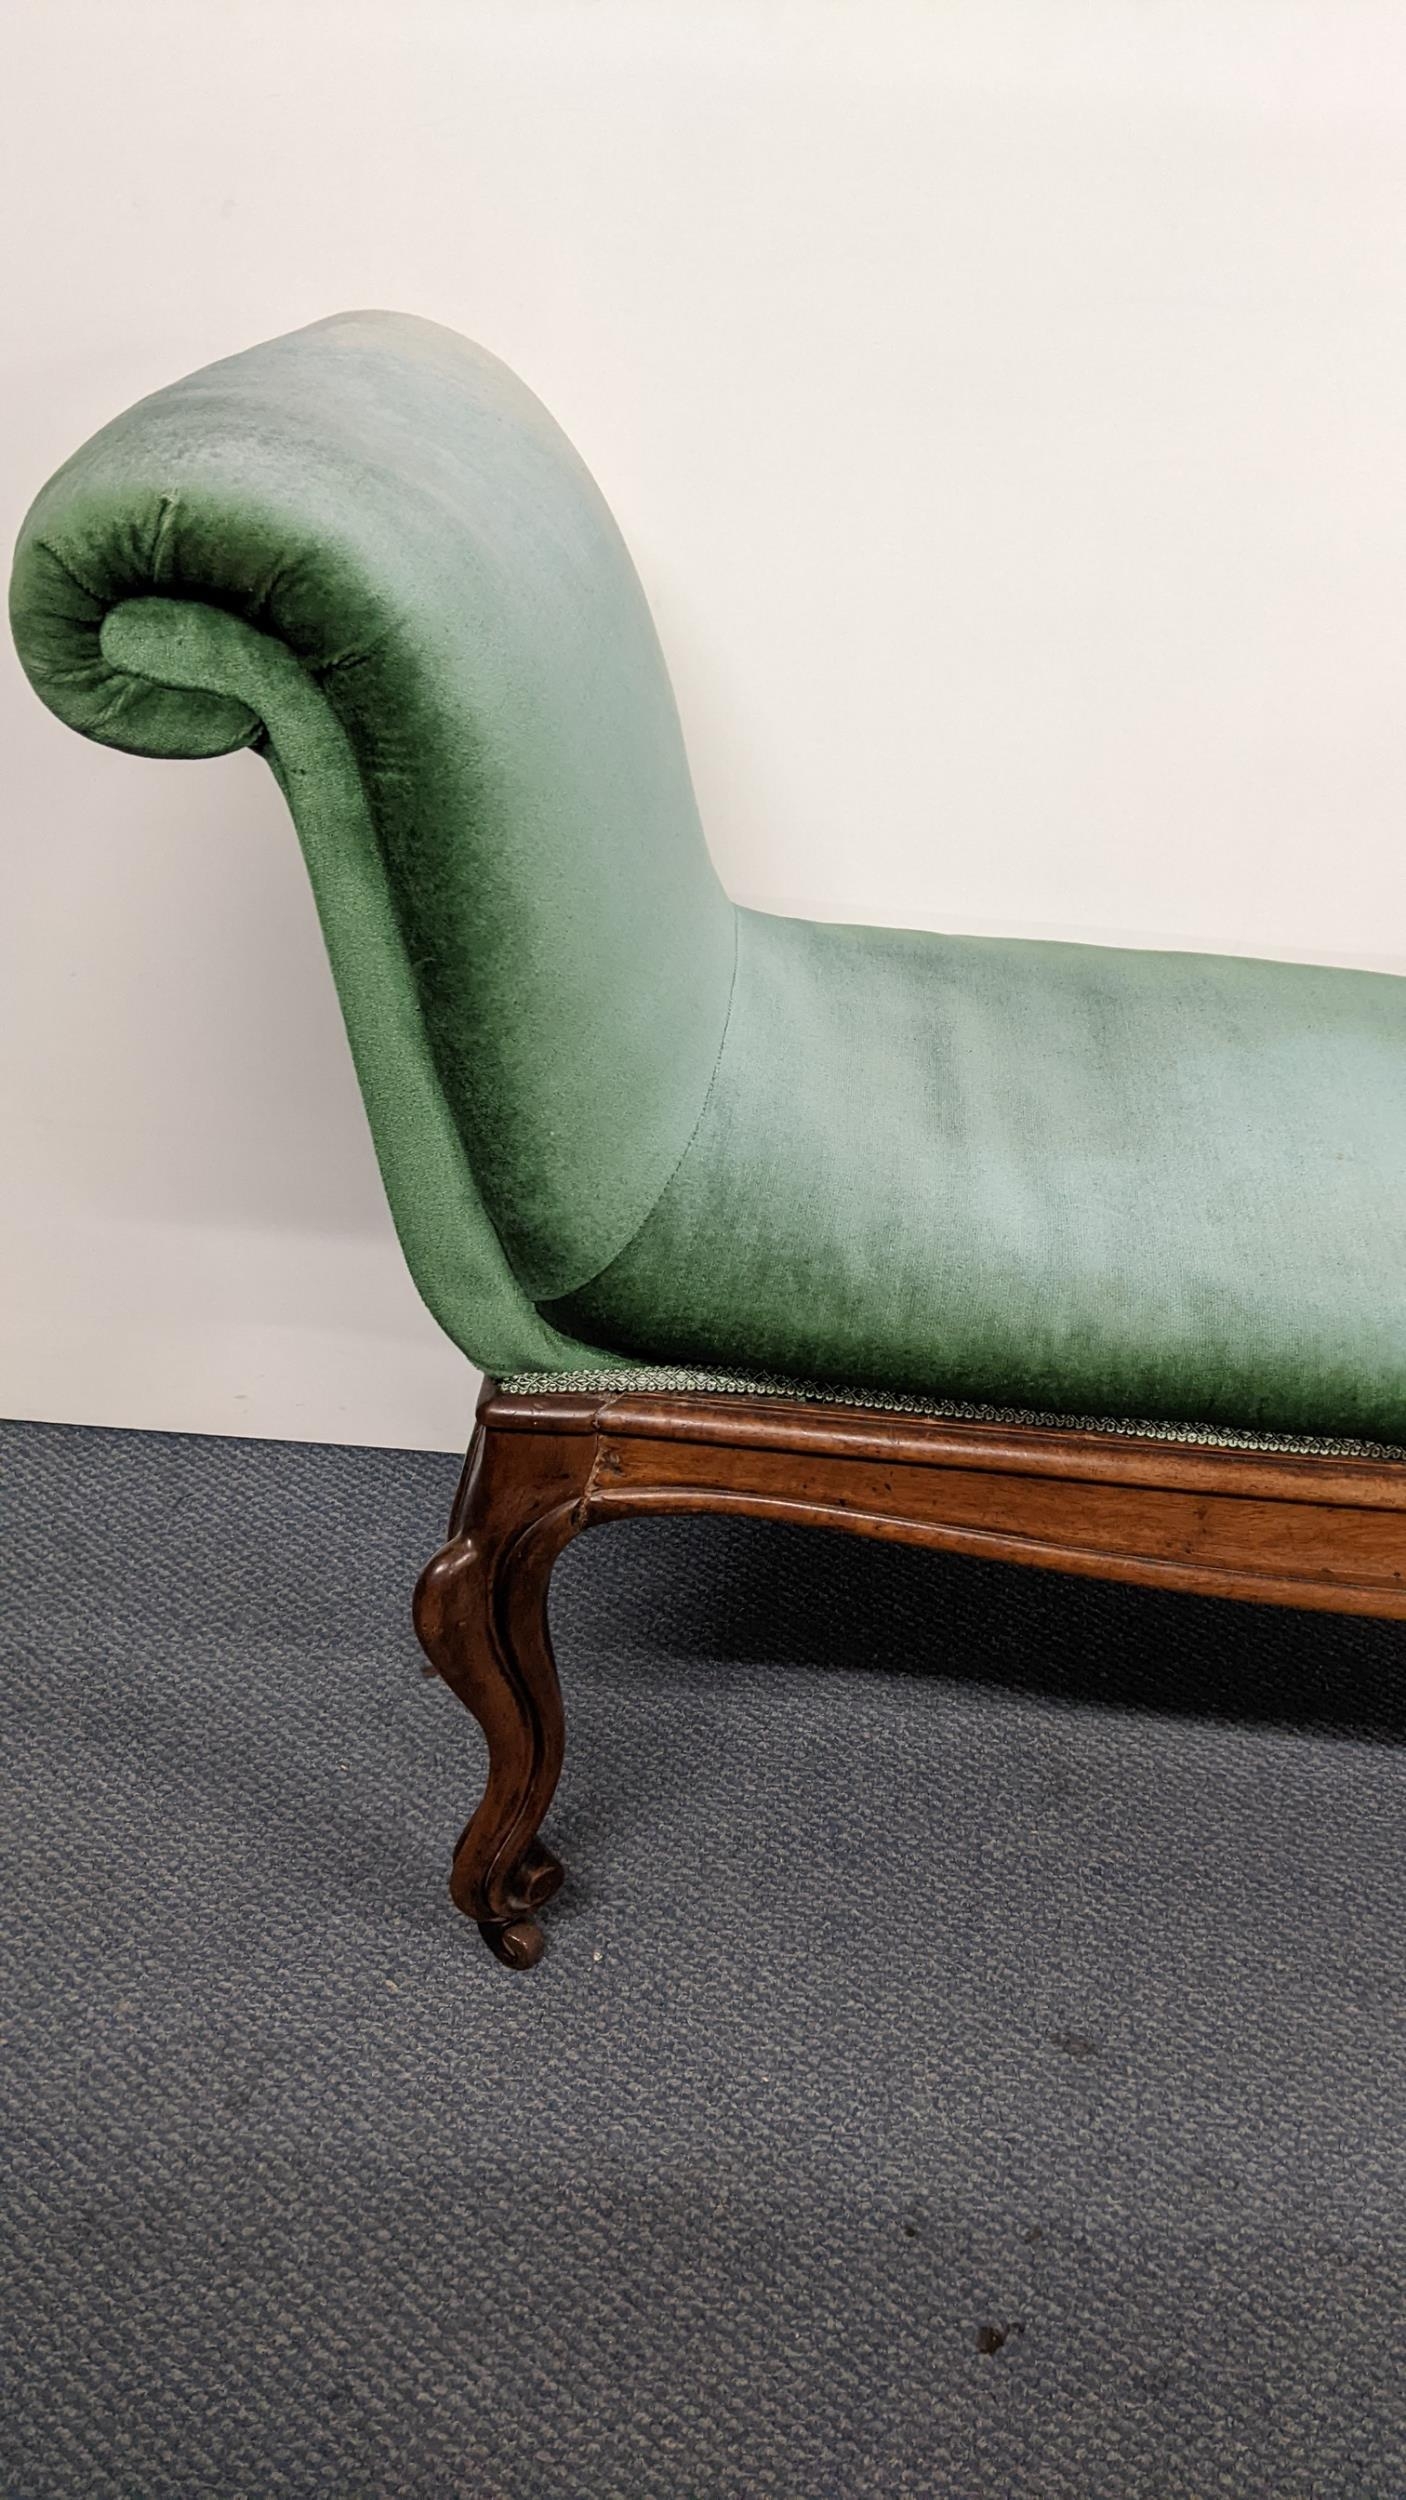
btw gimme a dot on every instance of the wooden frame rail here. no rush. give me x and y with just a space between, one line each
1282 1529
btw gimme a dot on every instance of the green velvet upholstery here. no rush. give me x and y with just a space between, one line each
618 1120
367 549
1069 1177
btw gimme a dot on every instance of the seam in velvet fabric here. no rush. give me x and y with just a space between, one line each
546 1300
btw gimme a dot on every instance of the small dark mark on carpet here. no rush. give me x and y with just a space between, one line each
1076 2044
957 1962
991 2337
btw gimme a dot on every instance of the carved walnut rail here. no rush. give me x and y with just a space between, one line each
1287 1530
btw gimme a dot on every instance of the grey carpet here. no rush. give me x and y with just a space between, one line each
968 2061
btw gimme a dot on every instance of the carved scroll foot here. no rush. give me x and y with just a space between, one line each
481 1615
519 1945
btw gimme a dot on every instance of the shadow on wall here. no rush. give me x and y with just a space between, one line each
224 1093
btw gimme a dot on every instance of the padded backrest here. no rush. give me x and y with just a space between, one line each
367 549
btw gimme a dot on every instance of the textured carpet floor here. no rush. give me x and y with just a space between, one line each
968 2060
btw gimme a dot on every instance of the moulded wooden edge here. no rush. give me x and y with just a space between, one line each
1273 1527
803 1426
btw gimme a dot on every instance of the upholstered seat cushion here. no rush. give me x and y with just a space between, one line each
1058 1176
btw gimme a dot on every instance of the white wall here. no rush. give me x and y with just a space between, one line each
1007 409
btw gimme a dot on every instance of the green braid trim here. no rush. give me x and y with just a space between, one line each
677 1381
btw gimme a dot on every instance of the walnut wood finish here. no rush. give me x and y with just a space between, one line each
481 1615
1283 1530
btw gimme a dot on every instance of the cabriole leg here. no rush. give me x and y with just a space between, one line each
481 1616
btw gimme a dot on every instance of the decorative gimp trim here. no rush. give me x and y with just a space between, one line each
680 1381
